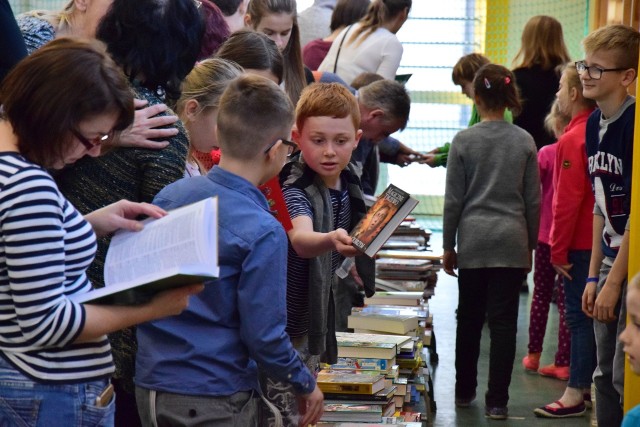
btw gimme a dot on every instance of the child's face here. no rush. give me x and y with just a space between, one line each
609 84
563 96
327 144
202 130
277 26
630 337
467 88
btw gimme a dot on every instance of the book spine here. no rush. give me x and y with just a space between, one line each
360 363
345 388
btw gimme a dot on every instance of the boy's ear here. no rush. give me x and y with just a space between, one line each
358 136
629 77
295 135
573 93
81 5
191 109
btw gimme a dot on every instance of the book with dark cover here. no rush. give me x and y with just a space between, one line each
176 250
386 214
382 397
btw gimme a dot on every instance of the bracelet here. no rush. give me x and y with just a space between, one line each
592 279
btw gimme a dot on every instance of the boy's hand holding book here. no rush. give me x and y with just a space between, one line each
343 243
173 301
311 407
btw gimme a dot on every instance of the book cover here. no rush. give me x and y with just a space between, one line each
369 346
382 219
383 322
364 363
178 249
408 254
349 383
381 397
278 207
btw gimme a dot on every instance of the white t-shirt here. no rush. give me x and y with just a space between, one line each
379 53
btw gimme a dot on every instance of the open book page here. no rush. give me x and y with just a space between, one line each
183 242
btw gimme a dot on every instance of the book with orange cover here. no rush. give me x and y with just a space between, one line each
386 214
349 383
278 207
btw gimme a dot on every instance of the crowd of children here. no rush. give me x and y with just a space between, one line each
245 350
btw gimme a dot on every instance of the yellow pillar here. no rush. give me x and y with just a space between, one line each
497 31
632 381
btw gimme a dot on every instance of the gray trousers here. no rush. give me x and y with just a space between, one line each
160 409
609 374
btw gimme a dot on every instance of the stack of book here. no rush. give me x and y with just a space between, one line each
390 312
397 269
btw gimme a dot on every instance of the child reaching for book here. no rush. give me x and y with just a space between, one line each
205 361
325 201
630 339
492 204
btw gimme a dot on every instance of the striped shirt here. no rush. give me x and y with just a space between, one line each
45 249
297 267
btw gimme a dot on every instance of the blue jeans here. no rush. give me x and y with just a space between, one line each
582 362
27 403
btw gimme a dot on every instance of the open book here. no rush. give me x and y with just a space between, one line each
176 250
382 219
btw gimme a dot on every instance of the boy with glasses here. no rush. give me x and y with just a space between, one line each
609 68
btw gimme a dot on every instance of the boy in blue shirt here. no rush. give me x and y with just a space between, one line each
325 202
200 368
609 68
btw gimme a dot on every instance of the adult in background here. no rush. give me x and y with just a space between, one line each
155 43
11 43
80 19
541 52
370 45
314 20
56 359
345 13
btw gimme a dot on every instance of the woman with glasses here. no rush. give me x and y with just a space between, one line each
155 43
536 69
55 359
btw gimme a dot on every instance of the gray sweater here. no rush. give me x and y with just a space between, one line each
492 197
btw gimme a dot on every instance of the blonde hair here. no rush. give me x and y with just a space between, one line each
206 83
621 39
556 120
57 18
542 43
573 81
378 13
294 77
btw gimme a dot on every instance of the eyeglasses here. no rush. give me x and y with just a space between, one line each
290 146
593 71
90 144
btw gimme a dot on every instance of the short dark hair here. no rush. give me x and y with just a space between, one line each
496 88
348 12
389 96
48 94
228 7
253 112
157 39
252 50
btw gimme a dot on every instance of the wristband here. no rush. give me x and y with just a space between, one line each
592 279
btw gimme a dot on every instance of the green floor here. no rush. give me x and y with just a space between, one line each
527 391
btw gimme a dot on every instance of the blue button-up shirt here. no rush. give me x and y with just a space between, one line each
211 349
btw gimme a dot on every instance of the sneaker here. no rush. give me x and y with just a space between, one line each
496 412
465 402
553 371
561 411
531 362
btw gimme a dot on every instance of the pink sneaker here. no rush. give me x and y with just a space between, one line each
559 372
531 362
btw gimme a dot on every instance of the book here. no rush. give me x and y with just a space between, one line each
372 346
383 322
403 78
395 298
364 363
409 254
400 285
381 397
382 219
178 249
345 382
277 206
